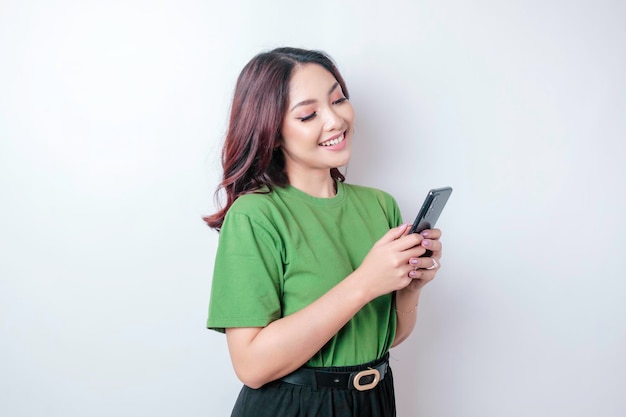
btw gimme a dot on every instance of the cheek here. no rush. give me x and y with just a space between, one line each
349 117
287 131
348 113
297 133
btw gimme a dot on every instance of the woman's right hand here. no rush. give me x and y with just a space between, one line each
386 267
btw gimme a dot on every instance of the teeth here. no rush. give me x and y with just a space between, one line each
333 142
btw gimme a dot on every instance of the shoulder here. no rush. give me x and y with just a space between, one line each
256 209
253 202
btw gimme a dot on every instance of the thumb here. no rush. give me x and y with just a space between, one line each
392 234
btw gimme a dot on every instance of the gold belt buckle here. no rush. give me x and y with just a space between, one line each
364 387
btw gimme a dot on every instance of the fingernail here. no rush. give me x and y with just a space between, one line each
412 274
425 234
415 261
426 242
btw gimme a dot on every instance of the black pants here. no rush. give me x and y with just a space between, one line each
281 399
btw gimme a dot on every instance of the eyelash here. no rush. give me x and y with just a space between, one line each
312 115
307 118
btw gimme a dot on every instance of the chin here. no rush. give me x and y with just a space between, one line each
343 162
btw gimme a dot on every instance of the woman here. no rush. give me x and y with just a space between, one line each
315 279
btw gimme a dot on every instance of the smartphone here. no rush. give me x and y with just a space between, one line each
431 209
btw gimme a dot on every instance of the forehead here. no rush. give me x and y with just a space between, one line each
310 80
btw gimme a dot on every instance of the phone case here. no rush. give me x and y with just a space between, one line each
431 209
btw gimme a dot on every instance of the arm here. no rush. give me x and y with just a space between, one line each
407 299
261 355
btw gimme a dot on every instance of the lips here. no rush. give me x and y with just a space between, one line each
334 141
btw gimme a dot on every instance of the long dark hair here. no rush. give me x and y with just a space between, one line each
251 159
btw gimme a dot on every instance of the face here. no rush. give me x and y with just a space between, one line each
318 123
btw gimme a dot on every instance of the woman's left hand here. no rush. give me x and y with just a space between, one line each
422 270
425 268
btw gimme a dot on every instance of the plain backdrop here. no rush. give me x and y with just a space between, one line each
112 115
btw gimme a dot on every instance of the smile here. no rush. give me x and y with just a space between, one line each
333 142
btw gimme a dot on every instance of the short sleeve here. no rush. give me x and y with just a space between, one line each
246 285
390 206
396 218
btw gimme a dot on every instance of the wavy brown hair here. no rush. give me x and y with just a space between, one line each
251 159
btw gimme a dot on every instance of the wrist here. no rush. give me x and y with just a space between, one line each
410 291
407 298
361 293
406 312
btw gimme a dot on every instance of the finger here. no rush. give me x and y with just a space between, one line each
408 241
414 262
422 275
425 263
431 233
412 257
432 245
392 234
434 264
417 258
416 273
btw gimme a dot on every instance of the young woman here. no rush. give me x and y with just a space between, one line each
315 279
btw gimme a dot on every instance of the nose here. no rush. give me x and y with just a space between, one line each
333 120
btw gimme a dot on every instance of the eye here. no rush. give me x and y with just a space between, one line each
340 100
307 118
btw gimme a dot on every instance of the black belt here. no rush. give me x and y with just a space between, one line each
362 380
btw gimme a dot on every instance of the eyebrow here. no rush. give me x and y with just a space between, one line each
311 101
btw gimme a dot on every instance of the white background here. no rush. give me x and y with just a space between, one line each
111 118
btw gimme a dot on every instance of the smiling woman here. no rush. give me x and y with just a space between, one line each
315 279
251 158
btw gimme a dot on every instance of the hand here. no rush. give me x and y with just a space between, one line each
422 271
386 267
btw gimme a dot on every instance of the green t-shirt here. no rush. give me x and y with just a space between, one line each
279 252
